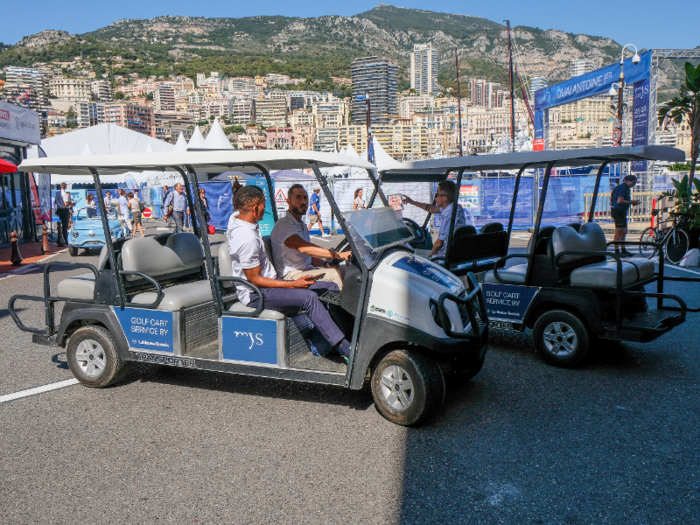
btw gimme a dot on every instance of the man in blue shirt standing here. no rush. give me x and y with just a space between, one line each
179 203
124 212
315 211
620 202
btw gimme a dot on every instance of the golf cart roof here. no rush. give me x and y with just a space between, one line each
436 170
209 161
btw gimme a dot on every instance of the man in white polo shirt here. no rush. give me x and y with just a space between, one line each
293 252
250 262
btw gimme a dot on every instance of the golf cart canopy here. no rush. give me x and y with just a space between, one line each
210 161
438 169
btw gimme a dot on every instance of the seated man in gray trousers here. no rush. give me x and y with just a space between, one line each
250 262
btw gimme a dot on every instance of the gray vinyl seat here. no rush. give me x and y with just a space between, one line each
78 287
226 270
600 274
181 255
514 274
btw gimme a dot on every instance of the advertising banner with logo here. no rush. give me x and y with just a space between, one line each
640 120
593 83
268 221
19 124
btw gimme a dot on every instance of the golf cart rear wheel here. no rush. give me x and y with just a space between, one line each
407 387
561 338
93 358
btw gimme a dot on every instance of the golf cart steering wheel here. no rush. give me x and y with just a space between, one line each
417 232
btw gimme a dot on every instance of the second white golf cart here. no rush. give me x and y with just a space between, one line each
169 300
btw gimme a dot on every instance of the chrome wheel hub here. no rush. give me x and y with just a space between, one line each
560 339
91 357
397 387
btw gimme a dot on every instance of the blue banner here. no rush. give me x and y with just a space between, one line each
248 339
507 302
640 120
219 197
268 221
147 329
593 83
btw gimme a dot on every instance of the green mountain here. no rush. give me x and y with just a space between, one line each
316 47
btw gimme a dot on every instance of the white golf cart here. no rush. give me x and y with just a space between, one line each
169 300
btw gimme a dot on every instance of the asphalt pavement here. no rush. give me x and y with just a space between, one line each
615 441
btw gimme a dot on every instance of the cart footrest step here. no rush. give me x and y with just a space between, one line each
653 319
43 339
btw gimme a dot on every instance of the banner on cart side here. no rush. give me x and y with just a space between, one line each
248 339
507 302
147 329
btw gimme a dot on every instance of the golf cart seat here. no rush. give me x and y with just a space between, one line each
476 252
595 270
491 227
180 261
78 287
226 270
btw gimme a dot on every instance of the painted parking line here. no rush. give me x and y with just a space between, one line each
38 390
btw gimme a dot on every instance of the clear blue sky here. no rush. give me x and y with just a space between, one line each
645 23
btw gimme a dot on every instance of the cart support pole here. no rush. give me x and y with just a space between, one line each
270 189
108 236
362 304
376 181
453 217
540 210
196 227
591 212
215 290
515 198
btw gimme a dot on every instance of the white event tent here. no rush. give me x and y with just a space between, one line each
103 139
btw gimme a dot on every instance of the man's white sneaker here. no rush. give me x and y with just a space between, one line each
325 235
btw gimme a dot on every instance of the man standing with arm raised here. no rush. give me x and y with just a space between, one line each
250 262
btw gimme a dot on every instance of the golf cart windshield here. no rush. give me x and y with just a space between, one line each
376 229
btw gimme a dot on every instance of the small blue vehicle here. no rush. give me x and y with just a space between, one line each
87 232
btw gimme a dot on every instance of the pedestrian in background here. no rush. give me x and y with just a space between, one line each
358 202
123 212
315 211
178 201
135 207
620 202
167 214
91 206
63 211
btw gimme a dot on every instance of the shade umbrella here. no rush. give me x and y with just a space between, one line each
7 167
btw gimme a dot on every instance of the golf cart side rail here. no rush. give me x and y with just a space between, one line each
48 300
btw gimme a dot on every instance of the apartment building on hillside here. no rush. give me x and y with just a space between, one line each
424 69
131 116
375 78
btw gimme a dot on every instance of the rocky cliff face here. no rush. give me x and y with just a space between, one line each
386 31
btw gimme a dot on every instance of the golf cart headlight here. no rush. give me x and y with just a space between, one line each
435 313
75 235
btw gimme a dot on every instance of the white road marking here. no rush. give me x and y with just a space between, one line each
37 390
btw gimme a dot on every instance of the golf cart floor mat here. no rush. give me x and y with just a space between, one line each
330 297
301 357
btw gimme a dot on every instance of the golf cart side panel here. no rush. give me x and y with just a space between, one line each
379 335
583 302
75 315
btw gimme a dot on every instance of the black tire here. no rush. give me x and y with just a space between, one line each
73 251
561 338
93 358
677 245
425 395
648 235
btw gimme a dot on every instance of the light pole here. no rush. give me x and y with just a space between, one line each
617 132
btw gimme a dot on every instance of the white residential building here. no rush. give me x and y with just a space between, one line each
424 69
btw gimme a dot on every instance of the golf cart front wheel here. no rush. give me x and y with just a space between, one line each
407 387
561 338
93 357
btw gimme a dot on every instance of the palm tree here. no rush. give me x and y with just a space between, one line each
687 106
